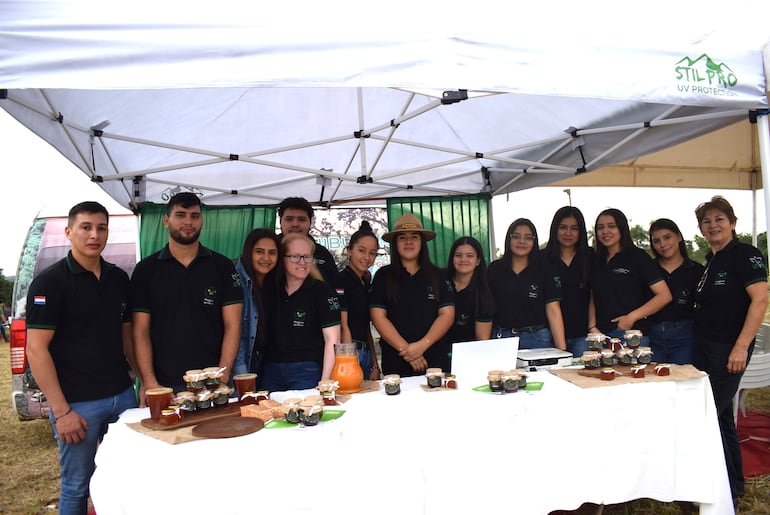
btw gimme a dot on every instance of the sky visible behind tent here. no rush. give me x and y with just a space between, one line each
36 179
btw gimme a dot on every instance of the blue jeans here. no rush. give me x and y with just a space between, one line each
673 342
365 360
76 460
540 339
577 346
294 375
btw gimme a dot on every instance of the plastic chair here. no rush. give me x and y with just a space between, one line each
757 374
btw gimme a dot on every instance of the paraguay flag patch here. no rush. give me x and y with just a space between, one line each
39 300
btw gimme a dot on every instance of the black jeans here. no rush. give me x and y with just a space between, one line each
711 357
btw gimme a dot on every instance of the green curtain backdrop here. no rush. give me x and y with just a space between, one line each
450 218
224 227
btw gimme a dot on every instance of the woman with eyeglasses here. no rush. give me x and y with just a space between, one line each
258 258
572 259
526 291
672 331
626 285
352 285
411 303
730 304
303 320
474 305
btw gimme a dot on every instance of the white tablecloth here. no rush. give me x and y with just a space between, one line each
443 452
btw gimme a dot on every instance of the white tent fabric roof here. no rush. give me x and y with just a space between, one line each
248 103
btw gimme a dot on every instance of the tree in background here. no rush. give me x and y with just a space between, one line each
6 289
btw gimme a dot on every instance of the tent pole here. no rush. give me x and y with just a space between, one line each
764 160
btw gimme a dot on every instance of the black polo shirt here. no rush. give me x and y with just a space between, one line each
354 300
185 306
466 316
575 293
295 322
86 315
521 298
412 313
622 285
722 303
682 282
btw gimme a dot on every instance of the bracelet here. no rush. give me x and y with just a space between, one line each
56 419
592 327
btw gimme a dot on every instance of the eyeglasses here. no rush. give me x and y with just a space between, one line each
297 258
525 237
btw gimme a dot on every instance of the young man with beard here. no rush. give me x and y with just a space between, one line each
186 302
78 344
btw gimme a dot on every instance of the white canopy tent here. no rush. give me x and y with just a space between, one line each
249 103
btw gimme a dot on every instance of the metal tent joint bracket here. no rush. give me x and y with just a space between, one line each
234 157
454 96
363 179
754 113
360 134
97 178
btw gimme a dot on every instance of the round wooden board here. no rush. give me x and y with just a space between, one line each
228 427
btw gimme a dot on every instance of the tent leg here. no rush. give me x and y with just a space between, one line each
764 158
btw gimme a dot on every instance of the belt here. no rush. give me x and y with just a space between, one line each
528 329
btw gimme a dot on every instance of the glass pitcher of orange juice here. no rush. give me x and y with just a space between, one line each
347 372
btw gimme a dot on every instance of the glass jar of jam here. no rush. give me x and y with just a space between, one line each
614 344
435 377
522 378
643 355
195 380
662 369
607 374
591 359
450 381
290 410
328 390
168 417
637 371
263 395
624 356
205 399
392 384
185 401
633 338
510 381
495 380
213 378
222 395
310 412
595 341
608 357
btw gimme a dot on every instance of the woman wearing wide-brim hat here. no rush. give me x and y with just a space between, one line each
412 303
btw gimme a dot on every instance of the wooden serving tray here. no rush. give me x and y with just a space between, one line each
228 427
232 409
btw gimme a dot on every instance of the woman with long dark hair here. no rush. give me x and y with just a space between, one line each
474 305
627 286
261 252
352 285
730 304
672 332
572 260
411 304
526 291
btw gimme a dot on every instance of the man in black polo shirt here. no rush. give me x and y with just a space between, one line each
295 214
186 302
78 344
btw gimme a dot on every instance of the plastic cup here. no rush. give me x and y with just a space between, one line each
245 383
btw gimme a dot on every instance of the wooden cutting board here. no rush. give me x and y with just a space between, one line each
232 409
228 427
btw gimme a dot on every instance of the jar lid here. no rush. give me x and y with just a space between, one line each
184 394
608 369
194 371
314 398
496 376
433 371
633 331
168 411
159 391
292 400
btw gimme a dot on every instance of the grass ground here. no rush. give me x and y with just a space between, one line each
29 470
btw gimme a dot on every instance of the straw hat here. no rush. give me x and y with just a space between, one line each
408 223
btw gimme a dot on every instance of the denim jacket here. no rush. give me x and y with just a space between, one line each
249 319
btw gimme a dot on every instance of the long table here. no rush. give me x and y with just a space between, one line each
437 452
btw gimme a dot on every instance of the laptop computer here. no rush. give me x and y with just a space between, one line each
472 360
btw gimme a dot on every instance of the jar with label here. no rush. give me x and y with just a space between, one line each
222 395
624 356
213 378
637 371
195 380
205 399
186 401
607 374
510 381
633 338
249 398
328 389
290 409
614 344
435 377
522 378
450 381
310 412
392 384
168 417
662 369
595 341
643 355
263 395
495 380
591 359
608 357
